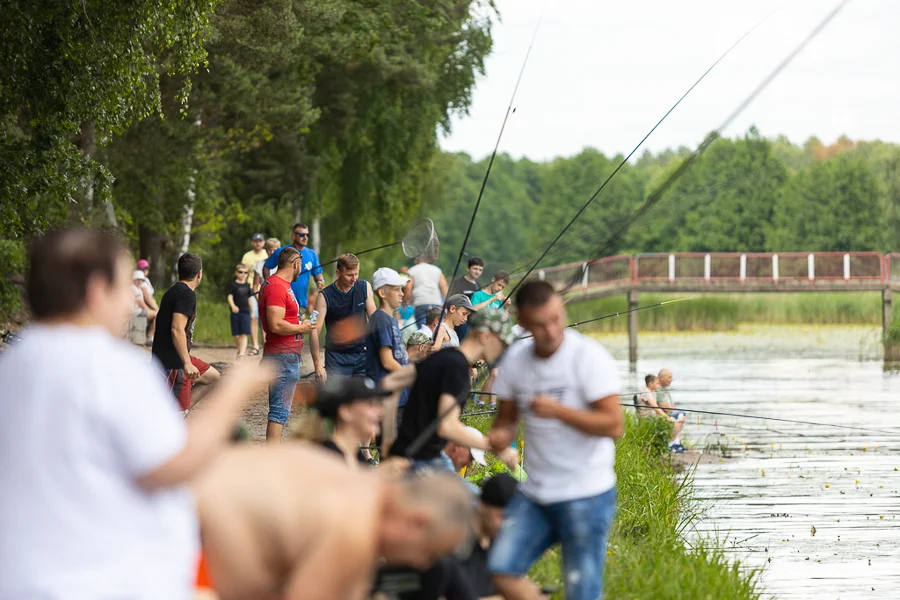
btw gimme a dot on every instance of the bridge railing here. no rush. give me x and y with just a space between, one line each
892 267
760 266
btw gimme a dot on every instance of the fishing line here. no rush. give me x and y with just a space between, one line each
620 313
714 135
630 154
487 173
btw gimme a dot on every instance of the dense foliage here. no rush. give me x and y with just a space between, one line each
744 194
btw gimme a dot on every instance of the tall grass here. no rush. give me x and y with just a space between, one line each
648 555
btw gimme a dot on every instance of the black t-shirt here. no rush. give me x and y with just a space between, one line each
463 286
241 294
330 445
446 579
445 372
476 571
181 299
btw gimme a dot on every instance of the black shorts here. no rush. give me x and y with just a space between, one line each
240 323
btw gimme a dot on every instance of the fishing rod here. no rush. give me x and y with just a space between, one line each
630 154
714 135
730 414
509 110
620 313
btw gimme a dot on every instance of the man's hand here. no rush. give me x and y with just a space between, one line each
394 467
500 438
235 309
306 326
544 406
321 375
320 283
499 296
509 457
190 371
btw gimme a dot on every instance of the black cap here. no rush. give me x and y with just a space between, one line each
338 391
258 236
499 490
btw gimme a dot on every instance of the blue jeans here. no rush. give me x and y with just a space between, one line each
580 526
345 364
281 391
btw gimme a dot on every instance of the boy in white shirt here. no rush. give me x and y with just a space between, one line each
566 386
93 501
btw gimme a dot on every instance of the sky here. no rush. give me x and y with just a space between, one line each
601 73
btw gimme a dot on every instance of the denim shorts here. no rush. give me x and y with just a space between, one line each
580 526
677 414
345 364
281 390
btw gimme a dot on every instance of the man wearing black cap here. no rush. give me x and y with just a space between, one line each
250 260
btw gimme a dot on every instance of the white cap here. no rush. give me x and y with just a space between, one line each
386 276
139 275
477 454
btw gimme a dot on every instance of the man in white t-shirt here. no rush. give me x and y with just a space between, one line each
566 387
93 501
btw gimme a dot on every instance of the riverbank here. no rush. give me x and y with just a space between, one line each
648 554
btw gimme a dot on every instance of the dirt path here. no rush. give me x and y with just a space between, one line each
256 413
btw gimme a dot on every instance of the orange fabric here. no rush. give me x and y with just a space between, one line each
203 580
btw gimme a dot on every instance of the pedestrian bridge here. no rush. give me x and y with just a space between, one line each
727 272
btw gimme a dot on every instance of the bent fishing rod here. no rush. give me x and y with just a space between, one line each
509 110
714 135
633 151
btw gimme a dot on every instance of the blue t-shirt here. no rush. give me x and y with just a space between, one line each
309 265
384 332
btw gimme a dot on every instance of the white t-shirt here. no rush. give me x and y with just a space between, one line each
426 330
562 462
426 284
138 295
82 415
148 286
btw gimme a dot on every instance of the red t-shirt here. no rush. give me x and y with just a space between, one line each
277 292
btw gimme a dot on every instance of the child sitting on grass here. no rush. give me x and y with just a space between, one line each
239 302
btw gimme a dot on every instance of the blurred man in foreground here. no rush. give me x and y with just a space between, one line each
93 501
291 521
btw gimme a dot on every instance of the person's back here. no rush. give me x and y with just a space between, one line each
426 288
74 521
244 523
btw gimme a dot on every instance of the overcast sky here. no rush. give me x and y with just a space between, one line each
602 73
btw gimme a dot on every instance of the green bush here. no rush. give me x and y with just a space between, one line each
12 269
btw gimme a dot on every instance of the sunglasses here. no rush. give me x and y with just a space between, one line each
298 234
242 272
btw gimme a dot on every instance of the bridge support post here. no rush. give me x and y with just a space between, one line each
886 310
633 297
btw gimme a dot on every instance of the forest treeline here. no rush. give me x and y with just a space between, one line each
744 194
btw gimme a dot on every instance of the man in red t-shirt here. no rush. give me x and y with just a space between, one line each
279 315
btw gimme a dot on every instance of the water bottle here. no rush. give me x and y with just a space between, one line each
313 316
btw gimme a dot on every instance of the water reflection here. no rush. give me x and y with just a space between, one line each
785 479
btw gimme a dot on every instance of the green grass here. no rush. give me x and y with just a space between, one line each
724 312
649 556
213 324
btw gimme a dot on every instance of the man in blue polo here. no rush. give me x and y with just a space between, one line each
309 264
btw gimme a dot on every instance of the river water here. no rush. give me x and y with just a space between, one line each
778 481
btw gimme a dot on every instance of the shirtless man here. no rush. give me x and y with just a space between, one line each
268 533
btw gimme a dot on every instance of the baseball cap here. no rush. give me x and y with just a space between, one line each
139 275
418 338
386 276
461 301
258 236
477 454
338 391
143 264
496 321
499 490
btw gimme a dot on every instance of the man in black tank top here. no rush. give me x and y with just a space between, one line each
343 308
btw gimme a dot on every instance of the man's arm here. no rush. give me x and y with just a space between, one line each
209 430
439 339
603 418
452 429
370 300
443 285
386 355
486 303
651 401
179 339
231 304
278 326
321 306
317 273
148 298
399 380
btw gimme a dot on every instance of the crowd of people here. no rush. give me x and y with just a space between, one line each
137 497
